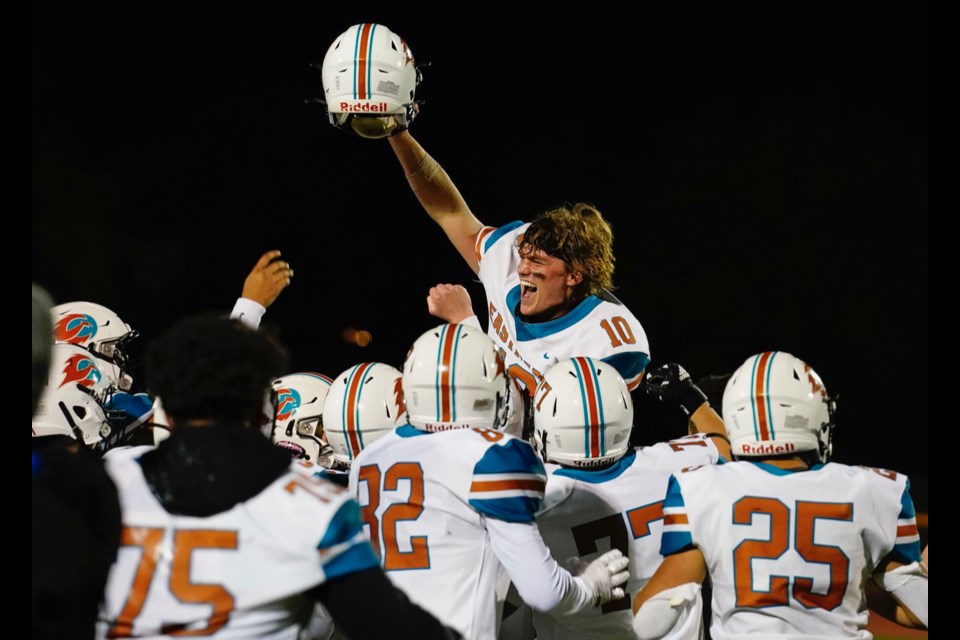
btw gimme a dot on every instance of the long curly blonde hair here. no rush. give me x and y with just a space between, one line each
579 236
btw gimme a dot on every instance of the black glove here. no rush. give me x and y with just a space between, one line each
671 383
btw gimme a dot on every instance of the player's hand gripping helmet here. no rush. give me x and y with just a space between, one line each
100 331
365 402
453 378
72 403
297 424
776 404
582 414
369 81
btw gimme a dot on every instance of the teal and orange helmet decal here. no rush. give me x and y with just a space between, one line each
75 328
82 370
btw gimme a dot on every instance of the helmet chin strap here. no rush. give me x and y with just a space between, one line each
77 433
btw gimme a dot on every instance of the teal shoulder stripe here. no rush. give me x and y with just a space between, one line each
516 456
499 232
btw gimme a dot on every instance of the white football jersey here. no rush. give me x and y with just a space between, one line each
599 327
240 573
425 498
788 551
586 513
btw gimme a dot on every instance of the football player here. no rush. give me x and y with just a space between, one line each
222 532
449 497
547 282
603 493
787 537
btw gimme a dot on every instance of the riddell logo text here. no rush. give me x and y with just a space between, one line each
772 449
366 107
444 427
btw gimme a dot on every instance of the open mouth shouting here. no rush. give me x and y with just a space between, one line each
527 290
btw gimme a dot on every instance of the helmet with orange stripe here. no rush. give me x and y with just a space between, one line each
454 378
369 81
297 404
775 404
582 414
365 402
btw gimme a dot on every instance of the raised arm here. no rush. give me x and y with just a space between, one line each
438 196
672 384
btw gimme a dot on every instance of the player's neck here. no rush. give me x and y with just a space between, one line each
790 463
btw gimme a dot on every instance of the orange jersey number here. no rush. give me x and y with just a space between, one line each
185 542
778 543
391 557
620 333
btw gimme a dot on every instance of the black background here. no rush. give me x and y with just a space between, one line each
764 166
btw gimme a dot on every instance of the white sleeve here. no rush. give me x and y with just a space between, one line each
248 312
472 321
676 611
908 586
540 580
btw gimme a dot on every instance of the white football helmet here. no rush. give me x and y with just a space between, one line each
776 404
297 424
369 81
582 414
453 378
99 330
72 403
365 402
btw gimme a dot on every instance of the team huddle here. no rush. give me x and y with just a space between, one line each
487 486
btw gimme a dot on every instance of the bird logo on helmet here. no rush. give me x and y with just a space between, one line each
75 328
82 370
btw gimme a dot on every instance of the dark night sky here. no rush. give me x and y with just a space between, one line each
764 165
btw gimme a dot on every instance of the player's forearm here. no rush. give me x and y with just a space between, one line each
433 187
708 421
539 579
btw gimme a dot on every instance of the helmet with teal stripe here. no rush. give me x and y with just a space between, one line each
775 404
454 378
365 402
582 414
370 81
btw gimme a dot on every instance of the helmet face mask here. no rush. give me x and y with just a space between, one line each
297 414
583 414
369 82
365 403
454 378
776 404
